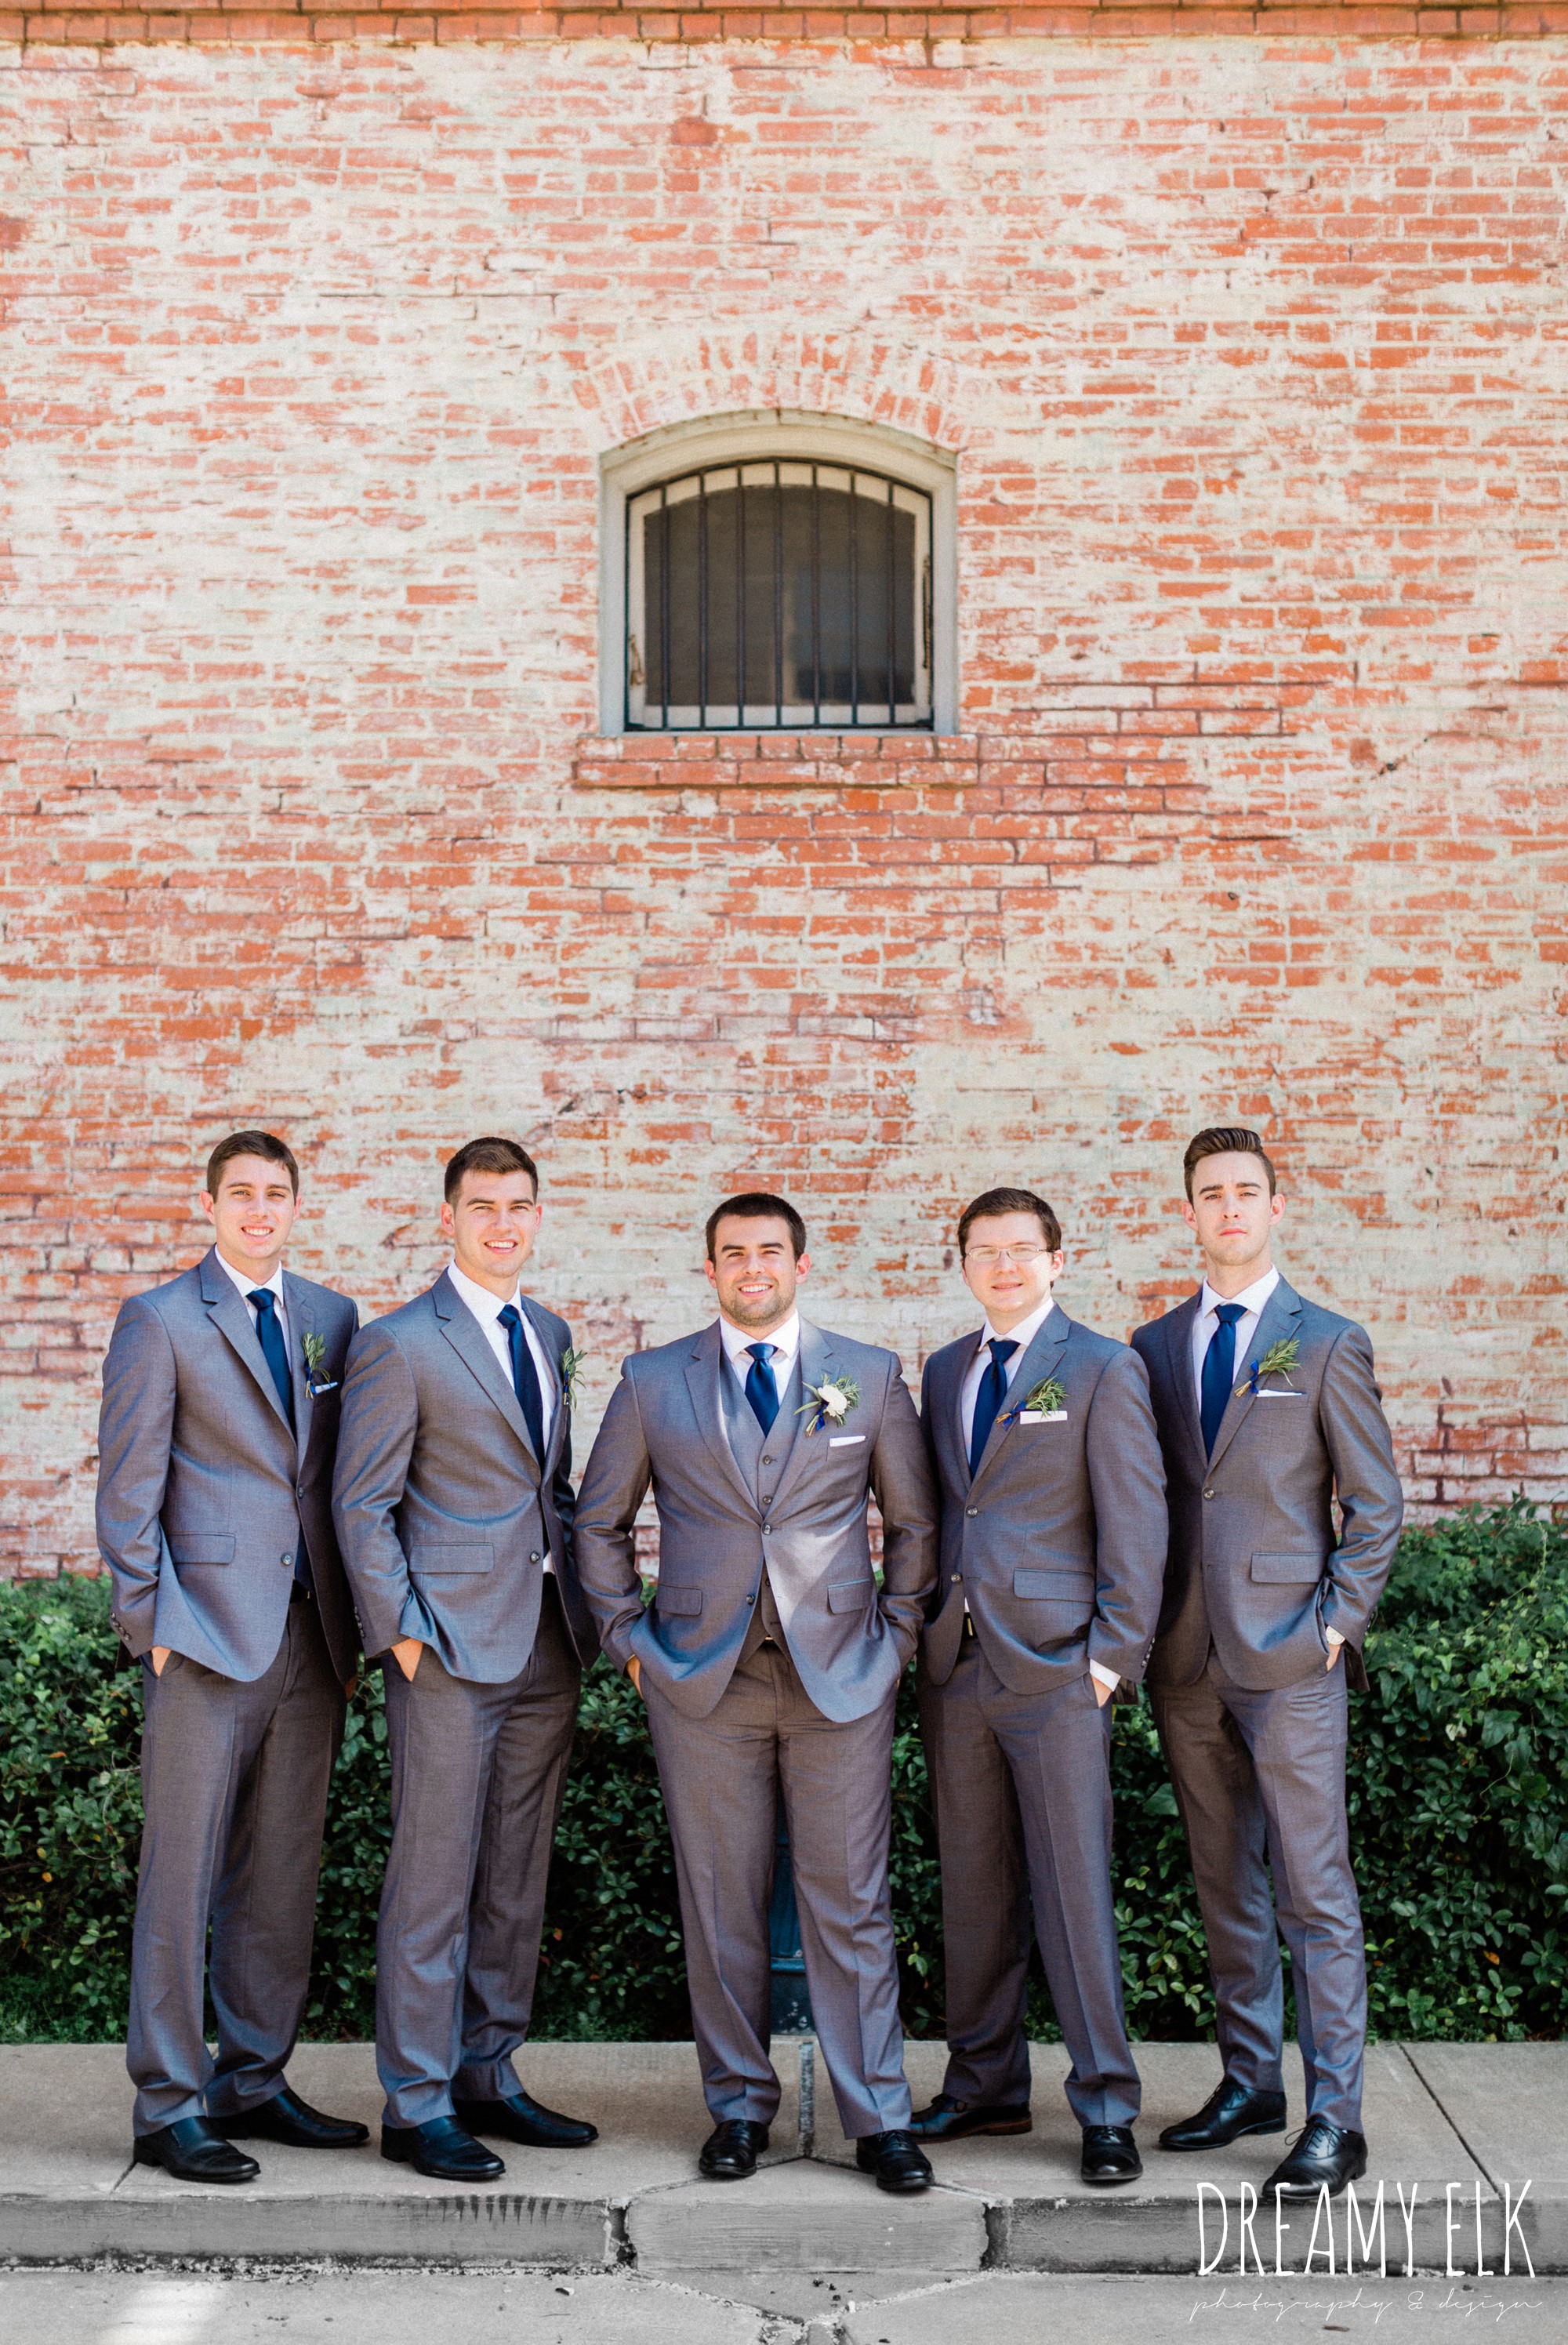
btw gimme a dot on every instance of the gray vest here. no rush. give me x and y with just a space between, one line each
762 1460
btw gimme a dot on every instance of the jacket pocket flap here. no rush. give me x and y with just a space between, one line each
678 1599
202 1546
851 1595
1065 1583
1288 1569
452 1558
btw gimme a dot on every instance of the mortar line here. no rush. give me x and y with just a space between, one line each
1407 2053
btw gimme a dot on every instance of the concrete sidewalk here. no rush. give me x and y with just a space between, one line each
1457 2124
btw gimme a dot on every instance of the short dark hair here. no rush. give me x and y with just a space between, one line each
489 1155
1224 1140
757 1205
250 1144
1009 1201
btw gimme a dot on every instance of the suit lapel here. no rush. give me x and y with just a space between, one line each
294 1306
705 1366
947 1406
815 1352
536 1320
1277 1320
1176 1328
467 1338
231 1316
1038 1362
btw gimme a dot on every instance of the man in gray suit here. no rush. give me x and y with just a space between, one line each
1268 1412
215 1467
453 1504
770 1662
1053 1553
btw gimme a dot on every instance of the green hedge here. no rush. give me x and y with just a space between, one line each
1459 1811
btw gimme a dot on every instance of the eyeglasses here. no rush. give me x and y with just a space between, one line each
987 1257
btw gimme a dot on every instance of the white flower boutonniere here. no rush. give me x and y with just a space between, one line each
572 1361
830 1401
315 1349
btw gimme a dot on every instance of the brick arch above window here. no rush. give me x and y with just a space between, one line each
778 571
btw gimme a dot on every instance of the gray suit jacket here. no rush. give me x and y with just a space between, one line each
665 1424
1058 1541
1255 1565
204 1494
444 1513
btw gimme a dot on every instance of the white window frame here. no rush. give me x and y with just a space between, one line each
754 436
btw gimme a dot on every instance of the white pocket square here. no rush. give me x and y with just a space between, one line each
1042 1416
1264 1393
844 1440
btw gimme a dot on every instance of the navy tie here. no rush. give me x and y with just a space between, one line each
988 1400
274 1350
524 1378
1219 1371
761 1390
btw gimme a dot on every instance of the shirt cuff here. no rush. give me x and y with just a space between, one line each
1333 1637
1106 1677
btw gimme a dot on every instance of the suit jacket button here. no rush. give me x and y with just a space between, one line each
958 1576
286 1560
534 1559
971 1510
751 1600
767 1461
1209 1494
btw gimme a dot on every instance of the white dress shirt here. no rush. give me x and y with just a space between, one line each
273 1287
487 1309
1023 1334
786 1341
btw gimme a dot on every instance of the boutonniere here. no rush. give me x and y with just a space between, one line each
1277 1361
315 1384
832 1400
1048 1399
572 1361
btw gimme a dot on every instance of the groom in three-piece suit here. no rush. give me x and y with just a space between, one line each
1053 1553
453 1506
215 1466
1269 1414
769 1662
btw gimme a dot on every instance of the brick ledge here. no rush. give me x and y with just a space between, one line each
776 761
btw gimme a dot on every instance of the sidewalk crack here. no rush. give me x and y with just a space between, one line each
1409 2052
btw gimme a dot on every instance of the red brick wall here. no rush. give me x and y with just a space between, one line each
1251 355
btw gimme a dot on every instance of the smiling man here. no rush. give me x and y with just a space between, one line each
1053 1552
214 1468
453 1502
769 1662
1268 1416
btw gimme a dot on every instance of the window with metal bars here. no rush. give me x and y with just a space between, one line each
778 595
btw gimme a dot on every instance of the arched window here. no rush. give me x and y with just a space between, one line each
778 573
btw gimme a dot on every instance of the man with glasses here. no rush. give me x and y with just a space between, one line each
1053 1552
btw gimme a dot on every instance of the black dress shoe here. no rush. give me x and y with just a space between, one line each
1230 2111
1110 2155
732 2150
896 2159
949 2119
442 2149
193 2151
518 2118
286 2118
1323 2153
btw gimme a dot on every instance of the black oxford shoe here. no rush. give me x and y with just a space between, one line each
949 2119
1109 2155
286 2118
442 2149
518 2118
1230 2111
896 2159
732 2150
1323 2153
193 2150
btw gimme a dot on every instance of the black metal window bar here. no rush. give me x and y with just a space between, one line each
778 595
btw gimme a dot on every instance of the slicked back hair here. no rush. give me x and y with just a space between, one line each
757 1205
490 1155
1224 1140
1009 1201
264 1144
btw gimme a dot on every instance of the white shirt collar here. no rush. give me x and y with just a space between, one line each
480 1301
1251 1298
786 1341
1023 1334
250 1286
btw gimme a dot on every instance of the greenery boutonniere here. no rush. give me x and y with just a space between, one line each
572 1361
1277 1361
832 1400
1048 1399
315 1384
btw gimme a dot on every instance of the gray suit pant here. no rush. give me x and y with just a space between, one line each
1021 1788
723 1776
234 1792
478 1774
1260 1782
